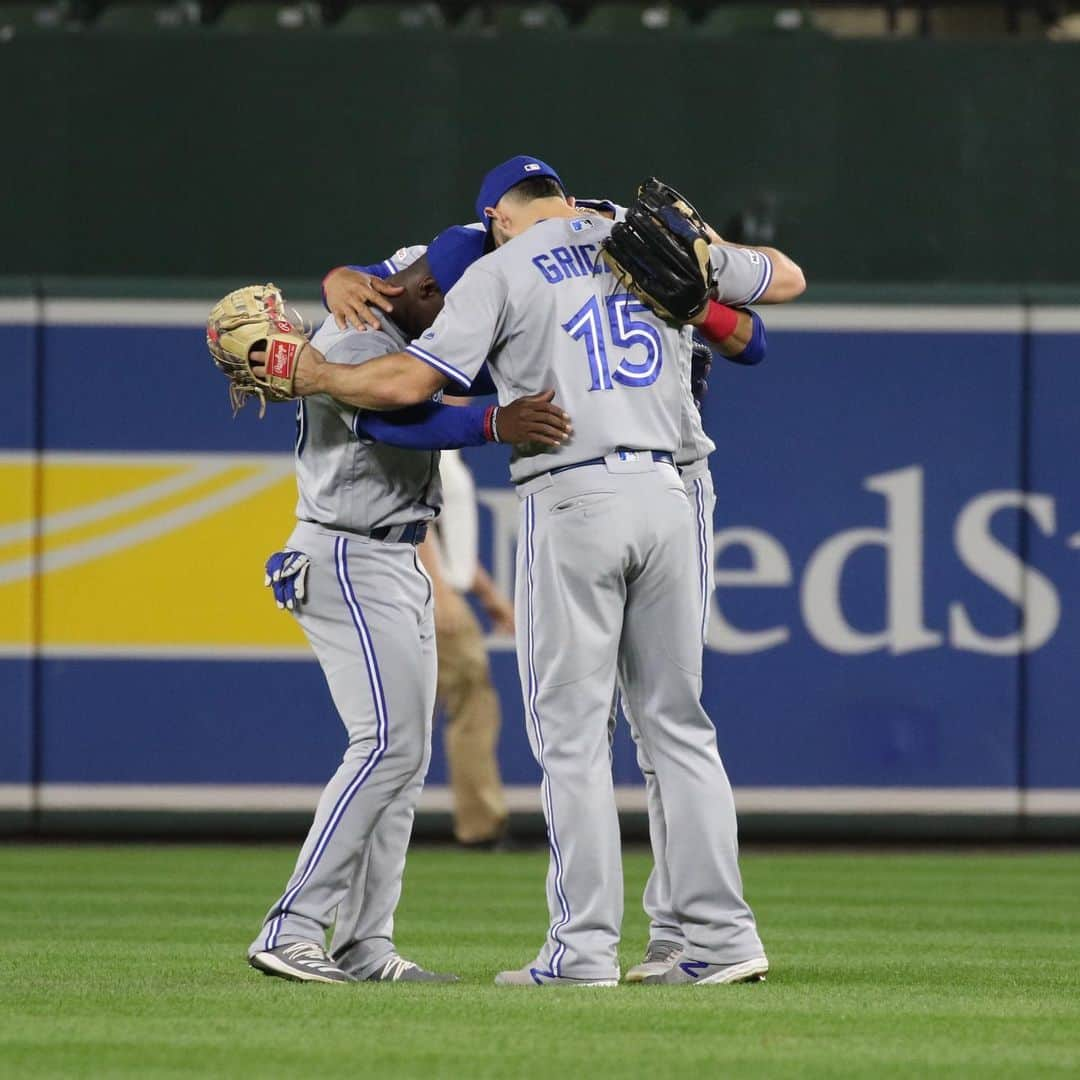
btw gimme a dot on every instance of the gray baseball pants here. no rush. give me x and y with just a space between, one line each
608 587
663 925
368 617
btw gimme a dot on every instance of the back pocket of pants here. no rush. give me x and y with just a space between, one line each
584 502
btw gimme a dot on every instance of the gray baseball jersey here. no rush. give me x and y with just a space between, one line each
346 482
545 311
694 444
742 275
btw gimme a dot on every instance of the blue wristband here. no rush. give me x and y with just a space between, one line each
757 346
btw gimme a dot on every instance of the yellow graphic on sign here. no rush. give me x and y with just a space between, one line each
17 497
147 551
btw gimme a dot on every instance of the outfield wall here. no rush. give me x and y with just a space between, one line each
893 636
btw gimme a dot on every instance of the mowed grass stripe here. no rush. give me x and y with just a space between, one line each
128 960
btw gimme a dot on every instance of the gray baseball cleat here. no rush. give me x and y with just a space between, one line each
398 969
702 973
660 957
300 961
534 977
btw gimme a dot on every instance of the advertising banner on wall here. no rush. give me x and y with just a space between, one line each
892 629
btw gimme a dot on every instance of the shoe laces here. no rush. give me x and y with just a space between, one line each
309 953
395 967
662 951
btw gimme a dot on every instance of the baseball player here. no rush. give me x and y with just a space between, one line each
753 270
465 690
749 275
350 575
607 577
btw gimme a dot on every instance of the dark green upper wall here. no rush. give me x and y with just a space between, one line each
284 155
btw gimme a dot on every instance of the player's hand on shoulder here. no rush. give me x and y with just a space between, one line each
286 575
533 419
351 295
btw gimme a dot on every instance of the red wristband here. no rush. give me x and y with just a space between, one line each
491 433
720 322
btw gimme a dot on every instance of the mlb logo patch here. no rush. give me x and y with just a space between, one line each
532 167
280 361
580 224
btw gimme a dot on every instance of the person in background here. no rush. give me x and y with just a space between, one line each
465 691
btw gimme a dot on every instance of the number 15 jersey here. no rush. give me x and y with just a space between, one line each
545 312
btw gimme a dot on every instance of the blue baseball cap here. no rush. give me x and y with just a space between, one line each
452 252
503 177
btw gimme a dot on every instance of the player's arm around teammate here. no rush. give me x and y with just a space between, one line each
365 607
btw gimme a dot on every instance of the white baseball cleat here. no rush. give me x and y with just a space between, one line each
300 961
534 977
702 973
660 957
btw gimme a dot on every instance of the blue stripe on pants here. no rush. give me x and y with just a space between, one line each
703 556
341 552
534 716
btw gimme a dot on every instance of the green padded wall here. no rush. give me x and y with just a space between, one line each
283 155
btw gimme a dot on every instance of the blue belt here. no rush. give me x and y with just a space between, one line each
412 533
657 455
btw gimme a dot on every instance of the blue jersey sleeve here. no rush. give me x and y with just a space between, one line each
482 386
757 347
430 426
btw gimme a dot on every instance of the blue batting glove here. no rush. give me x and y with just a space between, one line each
286 574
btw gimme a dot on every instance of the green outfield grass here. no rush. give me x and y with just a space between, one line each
130 961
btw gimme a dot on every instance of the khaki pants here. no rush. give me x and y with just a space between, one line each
471 732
